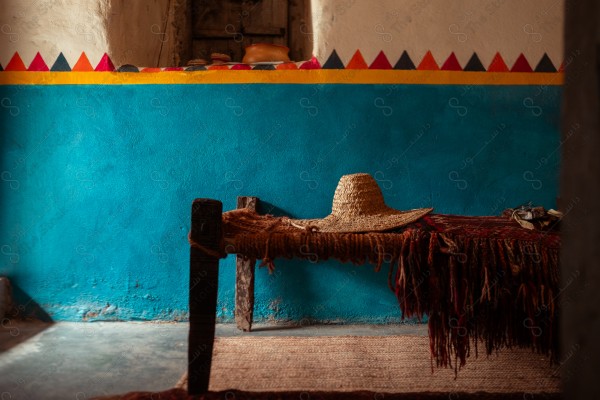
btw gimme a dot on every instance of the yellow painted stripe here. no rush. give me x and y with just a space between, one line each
322 76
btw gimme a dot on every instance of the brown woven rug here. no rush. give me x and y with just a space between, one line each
375 367
378 364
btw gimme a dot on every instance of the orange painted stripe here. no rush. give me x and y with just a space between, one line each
314 76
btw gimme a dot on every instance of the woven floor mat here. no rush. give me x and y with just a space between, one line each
384 364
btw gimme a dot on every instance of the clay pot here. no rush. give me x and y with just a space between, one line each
266 52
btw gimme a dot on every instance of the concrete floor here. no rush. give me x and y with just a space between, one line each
83 360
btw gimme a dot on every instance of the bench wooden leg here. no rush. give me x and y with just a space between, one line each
244 278
204 281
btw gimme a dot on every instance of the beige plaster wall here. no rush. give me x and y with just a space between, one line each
510 27
140 32
149 32
51 27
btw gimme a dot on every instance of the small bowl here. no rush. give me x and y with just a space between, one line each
266 52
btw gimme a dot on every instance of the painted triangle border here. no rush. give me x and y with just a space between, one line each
382 61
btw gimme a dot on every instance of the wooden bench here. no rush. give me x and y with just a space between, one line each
452 247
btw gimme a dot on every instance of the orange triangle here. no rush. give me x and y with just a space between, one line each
497 64
428 63
15 63
287 65
357 62
83 64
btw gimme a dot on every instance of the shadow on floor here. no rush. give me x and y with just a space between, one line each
13 332
25 320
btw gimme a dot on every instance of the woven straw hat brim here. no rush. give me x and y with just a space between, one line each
378 222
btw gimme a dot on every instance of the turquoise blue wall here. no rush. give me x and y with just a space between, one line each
97 182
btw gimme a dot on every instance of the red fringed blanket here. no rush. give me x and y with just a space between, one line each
476 279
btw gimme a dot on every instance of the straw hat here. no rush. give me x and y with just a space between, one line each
358 206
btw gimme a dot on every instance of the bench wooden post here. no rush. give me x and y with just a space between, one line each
204 280
244 278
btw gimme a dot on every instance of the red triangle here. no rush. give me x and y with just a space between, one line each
313 63
380 62
521 65
357 62
497 64
428 63
83 64
38 64
451 64
105 64
15 63
562 67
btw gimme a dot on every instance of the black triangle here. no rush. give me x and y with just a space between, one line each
1 69
474 64
264 67
404 62
545 65
61 64
333 62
